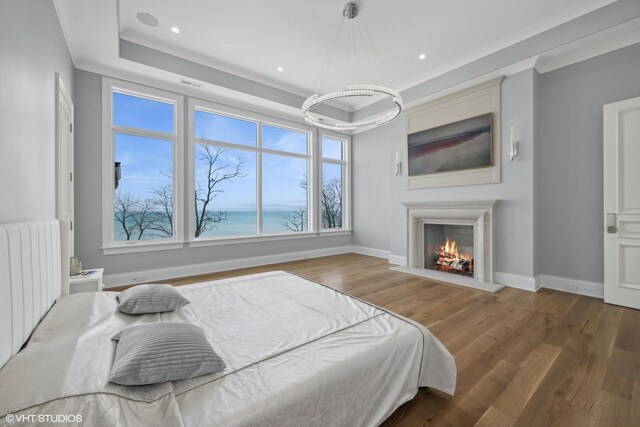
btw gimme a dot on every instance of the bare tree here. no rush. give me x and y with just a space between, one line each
154 217
145 217
135 216
332 203
331 207
217 173
163 202
125 206
296 220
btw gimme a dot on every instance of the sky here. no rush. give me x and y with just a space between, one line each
146 162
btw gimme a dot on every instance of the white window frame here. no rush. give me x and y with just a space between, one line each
260 120
109 244
346 180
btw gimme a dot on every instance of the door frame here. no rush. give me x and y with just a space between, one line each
61 92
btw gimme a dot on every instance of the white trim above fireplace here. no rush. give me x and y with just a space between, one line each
471 102
479 214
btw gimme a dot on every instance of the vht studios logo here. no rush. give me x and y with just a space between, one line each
43 418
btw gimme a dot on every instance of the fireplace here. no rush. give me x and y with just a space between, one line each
452 242
449 248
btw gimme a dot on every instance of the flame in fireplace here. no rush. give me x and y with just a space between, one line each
450 248
449 259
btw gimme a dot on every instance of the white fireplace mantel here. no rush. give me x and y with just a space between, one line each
479 214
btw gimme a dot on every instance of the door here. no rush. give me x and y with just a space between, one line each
622 203
64 158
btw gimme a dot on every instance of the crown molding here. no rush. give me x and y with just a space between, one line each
544 66
65 17
78 52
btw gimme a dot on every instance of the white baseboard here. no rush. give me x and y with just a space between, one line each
581 287
397 260
526 283
378 253
120 279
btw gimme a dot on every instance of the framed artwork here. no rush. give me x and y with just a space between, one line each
461 145
455 140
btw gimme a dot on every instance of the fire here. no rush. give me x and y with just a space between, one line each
449 259
450 248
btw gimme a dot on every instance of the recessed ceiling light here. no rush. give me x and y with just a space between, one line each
280 69
147 19
175 30
422 56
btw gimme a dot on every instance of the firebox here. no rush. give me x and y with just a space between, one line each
449 248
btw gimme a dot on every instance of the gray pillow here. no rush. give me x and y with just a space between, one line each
143 299
163 351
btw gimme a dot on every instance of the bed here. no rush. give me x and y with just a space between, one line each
296 352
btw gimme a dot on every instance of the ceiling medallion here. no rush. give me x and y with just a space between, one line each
349 12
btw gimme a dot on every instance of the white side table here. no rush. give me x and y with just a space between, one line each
87 281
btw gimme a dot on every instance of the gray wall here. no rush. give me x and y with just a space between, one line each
32 49
88 193
569 214
514 216
549 220
371 178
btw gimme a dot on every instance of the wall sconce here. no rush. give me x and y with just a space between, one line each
513 144
398 164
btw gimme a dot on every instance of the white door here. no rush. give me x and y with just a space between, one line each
622 203
64 157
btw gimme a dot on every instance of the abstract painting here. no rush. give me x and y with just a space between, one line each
452 147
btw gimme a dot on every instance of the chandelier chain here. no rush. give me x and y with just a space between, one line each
317 85
374 75
370 42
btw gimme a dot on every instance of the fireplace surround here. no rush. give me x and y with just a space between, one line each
476 214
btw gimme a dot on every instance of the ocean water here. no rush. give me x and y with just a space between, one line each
238 223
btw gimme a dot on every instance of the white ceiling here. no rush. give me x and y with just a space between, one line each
251 38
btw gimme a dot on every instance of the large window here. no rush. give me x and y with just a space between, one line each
334 180
251 177
141 204
248 176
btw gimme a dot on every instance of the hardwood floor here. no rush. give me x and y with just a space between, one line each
523 358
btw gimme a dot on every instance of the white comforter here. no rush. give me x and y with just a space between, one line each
297 353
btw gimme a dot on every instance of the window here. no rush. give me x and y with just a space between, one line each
141 169
333 179
250 177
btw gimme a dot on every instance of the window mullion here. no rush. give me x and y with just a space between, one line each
143 133
334 161
225 144
259 224
112 222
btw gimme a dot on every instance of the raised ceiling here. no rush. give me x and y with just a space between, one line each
253 38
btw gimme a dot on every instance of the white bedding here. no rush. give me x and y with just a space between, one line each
297 353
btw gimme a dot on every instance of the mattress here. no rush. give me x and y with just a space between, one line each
297 353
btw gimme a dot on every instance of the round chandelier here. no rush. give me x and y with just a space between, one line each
349 12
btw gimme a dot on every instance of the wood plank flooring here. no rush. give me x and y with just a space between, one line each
523 358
